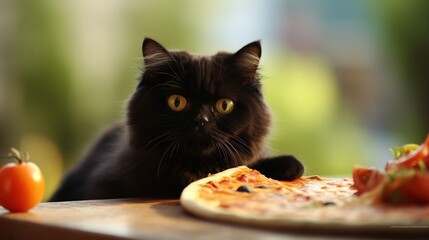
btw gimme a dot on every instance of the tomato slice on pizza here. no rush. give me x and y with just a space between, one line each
410 159
366 179
406 180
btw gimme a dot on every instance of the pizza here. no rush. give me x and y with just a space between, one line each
243 195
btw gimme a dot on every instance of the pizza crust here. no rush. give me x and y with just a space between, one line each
190 200
351 217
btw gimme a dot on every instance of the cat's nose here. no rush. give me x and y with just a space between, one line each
201 120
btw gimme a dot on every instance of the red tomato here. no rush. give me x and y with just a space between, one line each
366 179
407 190
418 187
21 186
411 160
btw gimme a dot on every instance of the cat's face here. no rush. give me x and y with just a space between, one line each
208 107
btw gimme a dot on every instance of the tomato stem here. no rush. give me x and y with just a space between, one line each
16 155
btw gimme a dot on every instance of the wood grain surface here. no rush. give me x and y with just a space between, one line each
127 219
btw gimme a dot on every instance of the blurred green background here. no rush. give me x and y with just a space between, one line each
345 80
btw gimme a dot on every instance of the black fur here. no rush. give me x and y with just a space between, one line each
158 151
284 167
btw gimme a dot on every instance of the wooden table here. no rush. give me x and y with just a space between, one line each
126 219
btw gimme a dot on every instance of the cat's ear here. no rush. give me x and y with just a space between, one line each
248 57
154 53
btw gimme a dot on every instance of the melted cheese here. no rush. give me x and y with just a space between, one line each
275 197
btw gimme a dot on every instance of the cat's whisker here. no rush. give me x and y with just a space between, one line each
172 69
167 136
214 157
221 151
232 146
157 138
173 138
224 149
235 151
183 70
240 144
158 173
175 147
220 72
171 75
229 154
236 143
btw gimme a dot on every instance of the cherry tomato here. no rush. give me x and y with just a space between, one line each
21 185
412 159
366 179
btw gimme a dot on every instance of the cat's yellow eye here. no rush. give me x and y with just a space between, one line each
224 105
176 102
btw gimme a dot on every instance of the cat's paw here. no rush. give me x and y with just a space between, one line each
283 167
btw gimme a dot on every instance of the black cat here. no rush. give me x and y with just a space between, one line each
189 116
